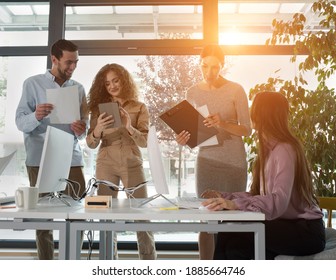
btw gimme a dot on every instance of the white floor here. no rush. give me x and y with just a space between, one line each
25 254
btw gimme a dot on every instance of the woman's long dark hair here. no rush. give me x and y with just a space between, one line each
269 115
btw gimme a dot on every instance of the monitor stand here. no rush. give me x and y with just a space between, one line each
57 195
151 198
130 191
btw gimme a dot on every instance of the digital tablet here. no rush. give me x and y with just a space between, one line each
111 109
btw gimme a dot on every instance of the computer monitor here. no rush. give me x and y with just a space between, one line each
156 163
55 161
156 168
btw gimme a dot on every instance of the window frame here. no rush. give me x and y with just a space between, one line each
140 47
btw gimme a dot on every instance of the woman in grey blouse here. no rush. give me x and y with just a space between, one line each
222 166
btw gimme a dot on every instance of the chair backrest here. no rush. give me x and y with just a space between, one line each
4 161
328 203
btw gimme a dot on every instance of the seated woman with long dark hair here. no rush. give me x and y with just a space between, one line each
281 188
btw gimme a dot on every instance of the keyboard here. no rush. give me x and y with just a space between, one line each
189 202
7 200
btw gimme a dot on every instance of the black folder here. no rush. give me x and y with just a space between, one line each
184 116
111 108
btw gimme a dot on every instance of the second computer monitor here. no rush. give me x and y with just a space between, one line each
156 163
55 161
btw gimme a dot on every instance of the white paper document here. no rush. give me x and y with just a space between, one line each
203 110
66 105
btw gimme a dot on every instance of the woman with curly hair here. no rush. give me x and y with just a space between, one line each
119 158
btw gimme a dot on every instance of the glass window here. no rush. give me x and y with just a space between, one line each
134 22
242 23
24 24
162 82
13 71
160 87
155 94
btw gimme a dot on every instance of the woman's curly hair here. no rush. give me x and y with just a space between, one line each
98 93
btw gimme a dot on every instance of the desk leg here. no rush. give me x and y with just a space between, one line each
75 242
63 244
106 245
109 245
259 242
102 245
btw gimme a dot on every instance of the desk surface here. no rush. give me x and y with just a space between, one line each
44 210
122 210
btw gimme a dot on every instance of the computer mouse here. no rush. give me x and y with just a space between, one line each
203 207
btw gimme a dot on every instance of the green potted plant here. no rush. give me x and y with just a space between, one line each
313 111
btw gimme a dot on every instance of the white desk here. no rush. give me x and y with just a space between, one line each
48 217
123 218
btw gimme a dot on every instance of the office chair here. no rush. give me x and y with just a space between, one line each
329 252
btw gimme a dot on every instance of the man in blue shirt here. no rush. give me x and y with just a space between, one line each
32 119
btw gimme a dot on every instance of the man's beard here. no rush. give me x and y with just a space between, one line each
63 75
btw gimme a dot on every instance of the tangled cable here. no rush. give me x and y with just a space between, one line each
93 186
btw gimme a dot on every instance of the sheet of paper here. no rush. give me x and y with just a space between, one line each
203 110
66 105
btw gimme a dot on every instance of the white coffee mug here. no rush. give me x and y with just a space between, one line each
26 197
